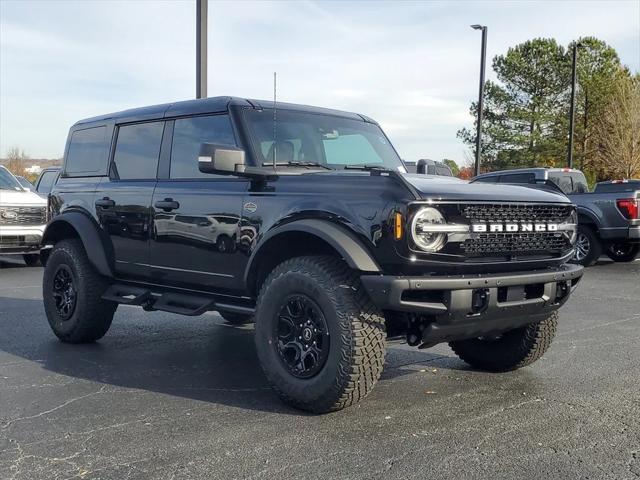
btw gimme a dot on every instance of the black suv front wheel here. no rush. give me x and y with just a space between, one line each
320 340
72 292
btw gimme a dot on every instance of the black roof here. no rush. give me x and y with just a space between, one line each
210 105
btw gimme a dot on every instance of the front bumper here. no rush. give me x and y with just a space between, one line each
467 306
20 239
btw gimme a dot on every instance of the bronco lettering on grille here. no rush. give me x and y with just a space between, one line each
513 227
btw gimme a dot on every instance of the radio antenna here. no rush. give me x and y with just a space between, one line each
275 122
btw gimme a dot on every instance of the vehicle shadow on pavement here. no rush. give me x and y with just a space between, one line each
200 358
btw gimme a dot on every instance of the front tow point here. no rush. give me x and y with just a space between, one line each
479 300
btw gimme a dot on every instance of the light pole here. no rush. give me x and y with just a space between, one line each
573 104
201 48
483 55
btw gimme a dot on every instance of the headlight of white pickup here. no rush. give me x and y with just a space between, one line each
428 229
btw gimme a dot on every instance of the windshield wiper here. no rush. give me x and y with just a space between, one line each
298 164
366 167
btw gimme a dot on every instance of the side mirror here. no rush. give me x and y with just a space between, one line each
421 167
221 159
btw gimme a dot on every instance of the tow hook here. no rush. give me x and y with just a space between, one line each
562 290
479 300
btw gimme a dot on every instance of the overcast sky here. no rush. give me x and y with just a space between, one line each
411 66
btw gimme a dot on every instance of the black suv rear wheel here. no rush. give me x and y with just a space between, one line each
72 292
320 340
511 350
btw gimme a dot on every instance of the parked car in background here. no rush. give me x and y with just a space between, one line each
23 216
609 221
431 167
47 179
631 185
25 183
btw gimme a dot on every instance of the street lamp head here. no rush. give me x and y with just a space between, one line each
477 27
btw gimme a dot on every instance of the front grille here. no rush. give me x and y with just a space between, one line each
25 216
515 243
498 212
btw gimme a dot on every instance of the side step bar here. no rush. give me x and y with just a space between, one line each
180 303
127 295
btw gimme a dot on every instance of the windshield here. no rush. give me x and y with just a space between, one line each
8 181
328 140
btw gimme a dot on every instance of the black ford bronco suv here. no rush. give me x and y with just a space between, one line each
301 220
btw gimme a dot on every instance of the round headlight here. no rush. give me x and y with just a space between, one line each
424 237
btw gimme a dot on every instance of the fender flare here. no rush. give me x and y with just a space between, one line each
98 250
340 239
584 212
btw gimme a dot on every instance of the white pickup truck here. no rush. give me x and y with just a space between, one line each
23 216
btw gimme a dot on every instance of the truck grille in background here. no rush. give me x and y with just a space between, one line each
24 216
515 243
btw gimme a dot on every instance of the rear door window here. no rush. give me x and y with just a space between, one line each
88 152
137 151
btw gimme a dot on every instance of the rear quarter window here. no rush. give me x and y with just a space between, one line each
88 152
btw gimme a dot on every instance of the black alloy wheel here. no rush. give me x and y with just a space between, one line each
64 292
302 336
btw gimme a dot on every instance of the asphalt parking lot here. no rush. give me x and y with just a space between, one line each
163 396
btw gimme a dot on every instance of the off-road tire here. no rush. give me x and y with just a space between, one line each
357 344
236 318
595 246
627 256
92 316
512 350
31 259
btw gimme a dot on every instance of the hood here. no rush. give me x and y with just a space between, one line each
450 188
14 197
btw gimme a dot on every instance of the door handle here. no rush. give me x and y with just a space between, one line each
105 202
167 204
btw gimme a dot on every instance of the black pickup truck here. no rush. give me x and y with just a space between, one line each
609 217
300 219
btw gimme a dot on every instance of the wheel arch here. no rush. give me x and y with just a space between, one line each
306 237
79 225
586 217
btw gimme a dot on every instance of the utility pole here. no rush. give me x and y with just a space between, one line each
483 55
201 48
573 104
